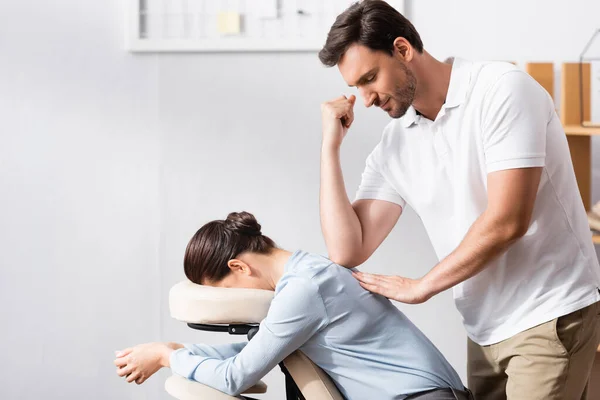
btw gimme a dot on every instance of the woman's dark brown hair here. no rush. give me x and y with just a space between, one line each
371 23
219 241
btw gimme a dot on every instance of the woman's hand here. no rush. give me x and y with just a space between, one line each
139 363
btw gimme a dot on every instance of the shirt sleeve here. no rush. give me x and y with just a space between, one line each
516 113
220 352
374 185
296 313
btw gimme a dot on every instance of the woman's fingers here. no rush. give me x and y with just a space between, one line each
123 353
120 362
124 371
133 376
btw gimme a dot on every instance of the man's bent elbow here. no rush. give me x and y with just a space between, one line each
346 260
514 230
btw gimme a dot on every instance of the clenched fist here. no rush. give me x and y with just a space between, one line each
337 116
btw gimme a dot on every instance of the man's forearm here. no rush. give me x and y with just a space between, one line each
339 222
487 239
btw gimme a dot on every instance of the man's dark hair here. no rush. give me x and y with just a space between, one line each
371 23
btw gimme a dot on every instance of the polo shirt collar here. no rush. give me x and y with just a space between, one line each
460 78
410 117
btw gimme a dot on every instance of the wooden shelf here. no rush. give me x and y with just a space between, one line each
578 130
574 108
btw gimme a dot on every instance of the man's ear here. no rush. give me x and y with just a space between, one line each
403 49
238 266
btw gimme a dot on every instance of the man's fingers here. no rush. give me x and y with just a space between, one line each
379 284
372 288
361 277
377 289
349 118
140 380
368 278
368 286
376 276
350 111
383 279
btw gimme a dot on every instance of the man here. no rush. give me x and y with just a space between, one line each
477 150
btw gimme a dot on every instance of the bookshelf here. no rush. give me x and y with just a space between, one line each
579 137
581 130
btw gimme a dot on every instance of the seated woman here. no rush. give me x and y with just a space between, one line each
361 340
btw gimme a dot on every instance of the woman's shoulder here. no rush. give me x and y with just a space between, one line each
315 268
303 263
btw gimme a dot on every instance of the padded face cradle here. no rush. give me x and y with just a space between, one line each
200 304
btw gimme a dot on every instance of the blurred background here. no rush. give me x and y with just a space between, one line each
110 160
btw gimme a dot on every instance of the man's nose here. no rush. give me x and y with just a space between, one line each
368 97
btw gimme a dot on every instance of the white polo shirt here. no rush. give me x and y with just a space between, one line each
496 117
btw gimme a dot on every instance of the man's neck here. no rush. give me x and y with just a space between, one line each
433 80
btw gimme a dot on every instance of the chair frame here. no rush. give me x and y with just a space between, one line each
292 392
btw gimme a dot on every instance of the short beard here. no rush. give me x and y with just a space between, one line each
404 96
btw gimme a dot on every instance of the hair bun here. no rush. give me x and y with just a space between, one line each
243 223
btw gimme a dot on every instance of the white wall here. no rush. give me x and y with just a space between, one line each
110 161
79 201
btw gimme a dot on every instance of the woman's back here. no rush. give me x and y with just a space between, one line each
366 345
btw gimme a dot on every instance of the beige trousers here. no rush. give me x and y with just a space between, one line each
551 361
